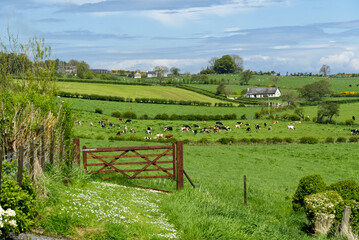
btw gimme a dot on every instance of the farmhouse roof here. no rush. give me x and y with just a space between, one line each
256 91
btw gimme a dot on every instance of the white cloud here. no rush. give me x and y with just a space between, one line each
344 60
233 29
149 64
281 47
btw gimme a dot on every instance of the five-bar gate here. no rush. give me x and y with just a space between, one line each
164 161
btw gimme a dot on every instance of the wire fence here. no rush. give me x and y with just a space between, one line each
33 157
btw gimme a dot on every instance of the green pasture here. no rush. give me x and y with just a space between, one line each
130 91
215 210
108 107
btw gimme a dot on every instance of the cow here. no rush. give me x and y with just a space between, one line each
353 117
219 123
132 130
354 131
119 132
257 127
194 131
205 130
240 123
91 124
248 129
238 126
186 126
195 126
265 124
111 125
350 85
276 122
169 136
247 124
149 128
103 125
270 128
148 132
169 128
125 129
184 129
147 138
227 128
158 136
78 122
291 127
121 119
128 121
298 122
105 119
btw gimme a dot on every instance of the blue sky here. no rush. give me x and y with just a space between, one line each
280 35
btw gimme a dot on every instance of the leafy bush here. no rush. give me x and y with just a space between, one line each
320 209
226 140
203 140
329 140
341 140
308 140
347 189
293 117
244 117
276 140
144 117
130 115
354 214
353 139
21 200
116 114
349 122
98 110
255 140
307 185
288 140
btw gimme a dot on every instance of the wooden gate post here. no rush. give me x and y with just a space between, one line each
42 148
179 150
32 160
20 165
76 142
84 158
52 146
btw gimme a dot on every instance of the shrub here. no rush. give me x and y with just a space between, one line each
320 209
341 140
277 140
244 140
354 214
144 117
293 117
307 185
288 140
329 140
130 115
116 114
203 140
226 140
353 139
98 110
244 117
22 200
347 189
349 122
255 140
308 140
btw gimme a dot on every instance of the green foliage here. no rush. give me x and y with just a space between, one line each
221 88
21 200
320 208
308 140
307 185
353 139
225 140
347 189
316 90
327 110
329 140
349 122
354 214
225 64
116 114
130 115
246 76
98 110
341 140
82 69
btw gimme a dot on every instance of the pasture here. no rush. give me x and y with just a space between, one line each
215 210
130 91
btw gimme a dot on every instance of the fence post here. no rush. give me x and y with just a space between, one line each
245 190
76 142
42 148
20 165
84 158
52 146
32 160
1 159
179 151
174 160
61 147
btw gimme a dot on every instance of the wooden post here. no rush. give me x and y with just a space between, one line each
174 160
76 142
1 160
344 228
52 146
42 148
179 150
84 158
245 190
61 147
20 165
32 160
190 181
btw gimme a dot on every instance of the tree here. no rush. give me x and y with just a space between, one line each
225 64
160 72
211 63
228 91
82 69
325 69
300 113
275 80
175 71
316 90
327 110
238 63
289 97
221 87
246 76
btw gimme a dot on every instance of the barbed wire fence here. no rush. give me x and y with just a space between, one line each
32 158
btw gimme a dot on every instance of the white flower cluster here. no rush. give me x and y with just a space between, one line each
6 219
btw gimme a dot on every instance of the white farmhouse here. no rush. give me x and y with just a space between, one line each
137 75
263 92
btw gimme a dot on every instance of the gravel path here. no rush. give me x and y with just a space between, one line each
24 236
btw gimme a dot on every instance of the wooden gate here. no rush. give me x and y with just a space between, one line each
126 161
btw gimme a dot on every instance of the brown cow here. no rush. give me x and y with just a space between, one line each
121 119
105 119
169 136
119 132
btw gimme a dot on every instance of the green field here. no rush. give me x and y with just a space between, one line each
129 91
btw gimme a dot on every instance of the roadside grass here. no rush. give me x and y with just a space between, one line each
215 210
130 91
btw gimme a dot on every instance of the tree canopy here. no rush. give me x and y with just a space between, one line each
246 76
325 69
327 110
316 90
225 64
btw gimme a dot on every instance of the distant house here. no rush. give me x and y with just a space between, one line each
137 75
67 70
263 92
100 71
